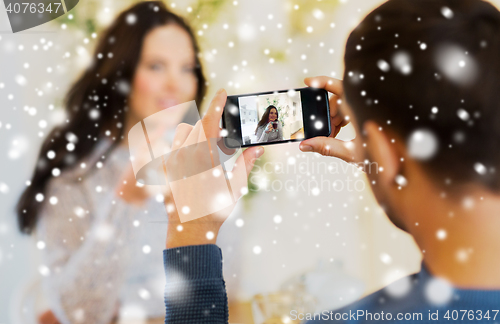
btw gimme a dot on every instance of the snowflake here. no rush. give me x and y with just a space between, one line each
422 144
131 19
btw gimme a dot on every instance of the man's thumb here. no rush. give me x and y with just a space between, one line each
329 146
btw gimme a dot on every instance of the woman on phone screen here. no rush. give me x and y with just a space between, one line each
269 128
103 235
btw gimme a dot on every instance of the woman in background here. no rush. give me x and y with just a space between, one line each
265 130
101 242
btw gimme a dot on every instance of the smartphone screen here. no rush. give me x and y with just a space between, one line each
276 117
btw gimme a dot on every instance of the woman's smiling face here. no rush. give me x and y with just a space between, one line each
273 114
165 74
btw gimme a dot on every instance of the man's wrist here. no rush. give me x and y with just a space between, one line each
185 235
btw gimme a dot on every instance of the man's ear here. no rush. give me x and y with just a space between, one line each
384 152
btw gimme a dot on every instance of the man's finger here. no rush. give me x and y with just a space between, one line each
181 133
193 137
337 121
328 146
224 148
334 105
329 84
335 133
247 159
213 115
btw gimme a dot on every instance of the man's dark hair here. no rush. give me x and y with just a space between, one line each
434 65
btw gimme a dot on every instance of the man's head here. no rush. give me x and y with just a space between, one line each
428 73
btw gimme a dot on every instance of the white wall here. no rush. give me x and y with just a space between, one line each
18 255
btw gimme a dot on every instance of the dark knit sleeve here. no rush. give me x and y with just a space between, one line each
195 290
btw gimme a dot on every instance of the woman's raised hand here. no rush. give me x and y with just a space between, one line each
269 127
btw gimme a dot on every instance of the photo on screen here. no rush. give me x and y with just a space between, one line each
271 117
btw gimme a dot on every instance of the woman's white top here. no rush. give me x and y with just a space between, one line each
104 255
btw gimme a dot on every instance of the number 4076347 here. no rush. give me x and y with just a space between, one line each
28 7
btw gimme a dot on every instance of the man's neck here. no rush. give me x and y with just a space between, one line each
460 242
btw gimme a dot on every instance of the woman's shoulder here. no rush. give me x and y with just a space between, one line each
79 170
92 174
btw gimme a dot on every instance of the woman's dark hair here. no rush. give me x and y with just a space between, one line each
432 64
97 102
265 117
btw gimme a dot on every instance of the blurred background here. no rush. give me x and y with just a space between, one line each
308 221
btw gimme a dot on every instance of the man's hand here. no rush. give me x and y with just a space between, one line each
202 230
340 116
